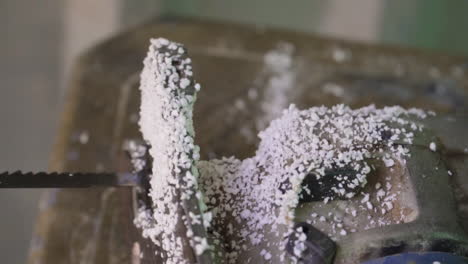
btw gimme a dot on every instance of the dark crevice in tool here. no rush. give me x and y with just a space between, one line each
20 179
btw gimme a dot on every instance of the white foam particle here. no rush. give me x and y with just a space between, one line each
184 83
201 247
84 137
340 55
333 89
388 162
433 146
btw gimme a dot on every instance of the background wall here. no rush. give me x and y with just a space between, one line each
30 49
41 39
431 24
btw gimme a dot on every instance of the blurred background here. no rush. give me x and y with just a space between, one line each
41 39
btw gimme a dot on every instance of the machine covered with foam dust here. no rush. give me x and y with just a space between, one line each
260 199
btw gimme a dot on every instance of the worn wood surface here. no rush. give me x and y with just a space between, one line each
96 225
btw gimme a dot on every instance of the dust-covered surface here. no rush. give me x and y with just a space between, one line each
252 202
176 223
96 226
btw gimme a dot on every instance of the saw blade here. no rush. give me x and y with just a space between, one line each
19 179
